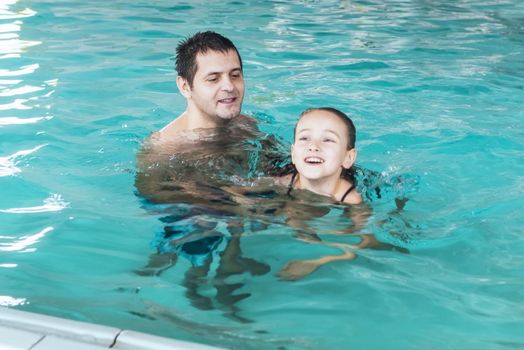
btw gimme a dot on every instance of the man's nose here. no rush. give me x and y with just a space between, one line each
228 85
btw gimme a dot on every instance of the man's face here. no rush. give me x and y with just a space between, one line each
218 86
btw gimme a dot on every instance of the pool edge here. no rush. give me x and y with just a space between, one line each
22 330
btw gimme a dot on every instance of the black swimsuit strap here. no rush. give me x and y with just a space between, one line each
347 192
290 186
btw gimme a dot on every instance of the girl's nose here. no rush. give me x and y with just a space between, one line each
313 146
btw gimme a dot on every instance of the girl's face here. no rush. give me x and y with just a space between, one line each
320 149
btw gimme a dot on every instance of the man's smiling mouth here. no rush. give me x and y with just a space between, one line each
228 100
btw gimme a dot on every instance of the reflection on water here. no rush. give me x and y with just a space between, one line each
23 95
24 244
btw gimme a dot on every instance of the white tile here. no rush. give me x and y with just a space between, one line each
129 340
15 339
85 332
62 334
56 343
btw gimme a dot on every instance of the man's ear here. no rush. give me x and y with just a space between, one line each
349 160
183 86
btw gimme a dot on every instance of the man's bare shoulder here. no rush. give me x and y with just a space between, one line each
157 140
170 137
247 118
157 149
170 131
248 121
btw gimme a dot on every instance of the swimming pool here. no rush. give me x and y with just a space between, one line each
435 90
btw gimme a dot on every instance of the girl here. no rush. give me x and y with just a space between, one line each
323 154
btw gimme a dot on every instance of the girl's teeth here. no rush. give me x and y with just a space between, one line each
314 160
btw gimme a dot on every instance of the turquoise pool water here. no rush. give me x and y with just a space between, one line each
436 90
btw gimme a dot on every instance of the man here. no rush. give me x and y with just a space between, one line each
190 161
206 145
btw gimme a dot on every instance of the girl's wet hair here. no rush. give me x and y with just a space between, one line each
348 174
350 127
188 49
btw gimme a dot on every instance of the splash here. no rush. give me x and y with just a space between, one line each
53 203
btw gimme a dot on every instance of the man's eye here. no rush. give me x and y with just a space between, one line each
212 79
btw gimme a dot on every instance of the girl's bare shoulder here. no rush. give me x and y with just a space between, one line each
353 197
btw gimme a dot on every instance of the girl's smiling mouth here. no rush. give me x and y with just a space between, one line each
313 160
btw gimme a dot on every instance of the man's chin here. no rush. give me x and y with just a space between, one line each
229 115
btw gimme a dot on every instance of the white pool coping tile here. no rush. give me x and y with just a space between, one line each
16 339
21 330
48 325
56 343
130 340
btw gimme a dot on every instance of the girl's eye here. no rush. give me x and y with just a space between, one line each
329 140
303 138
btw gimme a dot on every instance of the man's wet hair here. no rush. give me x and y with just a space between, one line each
350 127
202 42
